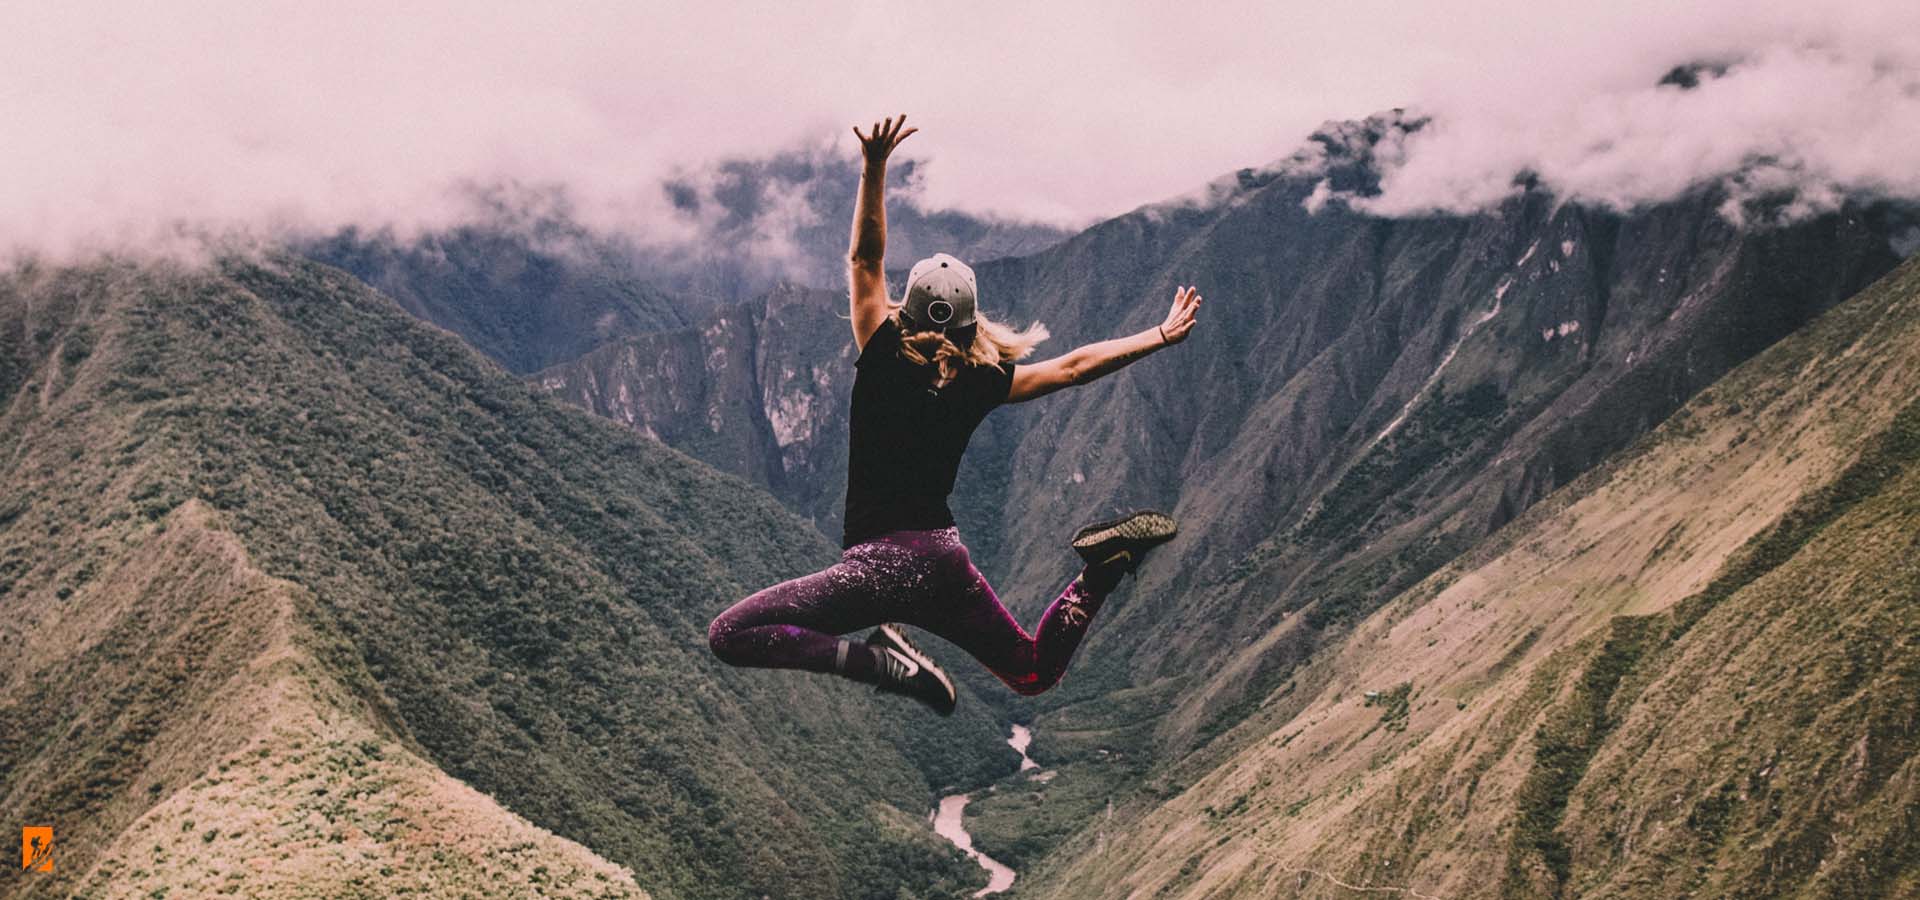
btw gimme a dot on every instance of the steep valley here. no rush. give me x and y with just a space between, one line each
1367 398
1692 672
1548 551
1366 402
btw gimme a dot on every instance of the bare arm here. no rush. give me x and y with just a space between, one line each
1086 363
866 280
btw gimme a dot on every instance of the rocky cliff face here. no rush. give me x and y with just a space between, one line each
758 389
1371 397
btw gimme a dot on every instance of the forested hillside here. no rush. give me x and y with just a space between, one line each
254 508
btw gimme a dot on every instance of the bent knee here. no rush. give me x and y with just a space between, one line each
722 640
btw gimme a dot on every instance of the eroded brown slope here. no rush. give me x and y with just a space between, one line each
1692 670
183 738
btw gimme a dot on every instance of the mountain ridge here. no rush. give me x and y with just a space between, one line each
1312 418
518 592
1517 721
531 288
1369 399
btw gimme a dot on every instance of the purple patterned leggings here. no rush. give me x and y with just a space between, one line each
921 578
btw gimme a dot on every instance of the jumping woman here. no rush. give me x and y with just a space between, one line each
929 370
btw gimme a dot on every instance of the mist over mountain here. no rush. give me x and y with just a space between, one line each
531 287
784 218
283 121
525 294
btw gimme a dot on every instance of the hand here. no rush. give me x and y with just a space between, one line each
885 136
1186 302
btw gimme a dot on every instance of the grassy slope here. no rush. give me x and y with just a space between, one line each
1691 669
526 299
272 781
1304 376
518 592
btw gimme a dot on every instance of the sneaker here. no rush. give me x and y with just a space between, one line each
1122 542
903 669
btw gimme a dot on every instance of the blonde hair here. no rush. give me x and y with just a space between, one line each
993 344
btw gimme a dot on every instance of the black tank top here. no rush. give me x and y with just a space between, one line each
906 437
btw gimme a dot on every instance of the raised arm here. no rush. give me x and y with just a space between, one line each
866 279
1084 364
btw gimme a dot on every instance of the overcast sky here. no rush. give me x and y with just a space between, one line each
117 120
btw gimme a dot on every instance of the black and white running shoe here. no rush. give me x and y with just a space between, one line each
1122 542
903 669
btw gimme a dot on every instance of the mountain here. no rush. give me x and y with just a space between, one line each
531 287
758 222
1692 671
1365 400
1366 397
526 294
715 391
207 748
1373 396
306 598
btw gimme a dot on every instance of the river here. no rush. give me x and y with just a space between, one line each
948 821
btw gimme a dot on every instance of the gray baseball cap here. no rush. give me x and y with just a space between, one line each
940 294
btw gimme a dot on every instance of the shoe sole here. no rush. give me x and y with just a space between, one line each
1147 526
897 639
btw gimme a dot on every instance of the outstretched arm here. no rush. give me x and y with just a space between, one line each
1084 364
866 280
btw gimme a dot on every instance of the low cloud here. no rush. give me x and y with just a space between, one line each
1800 127
126 125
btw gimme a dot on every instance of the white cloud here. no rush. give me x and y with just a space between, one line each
1816 122
121 121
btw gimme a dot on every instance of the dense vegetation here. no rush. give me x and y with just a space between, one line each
526 295
521 588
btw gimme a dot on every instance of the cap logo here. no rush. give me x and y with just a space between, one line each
940 311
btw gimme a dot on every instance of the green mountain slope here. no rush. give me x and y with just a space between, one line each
209 753
1692 672
526 296
487 584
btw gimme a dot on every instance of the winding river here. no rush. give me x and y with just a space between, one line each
948 822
